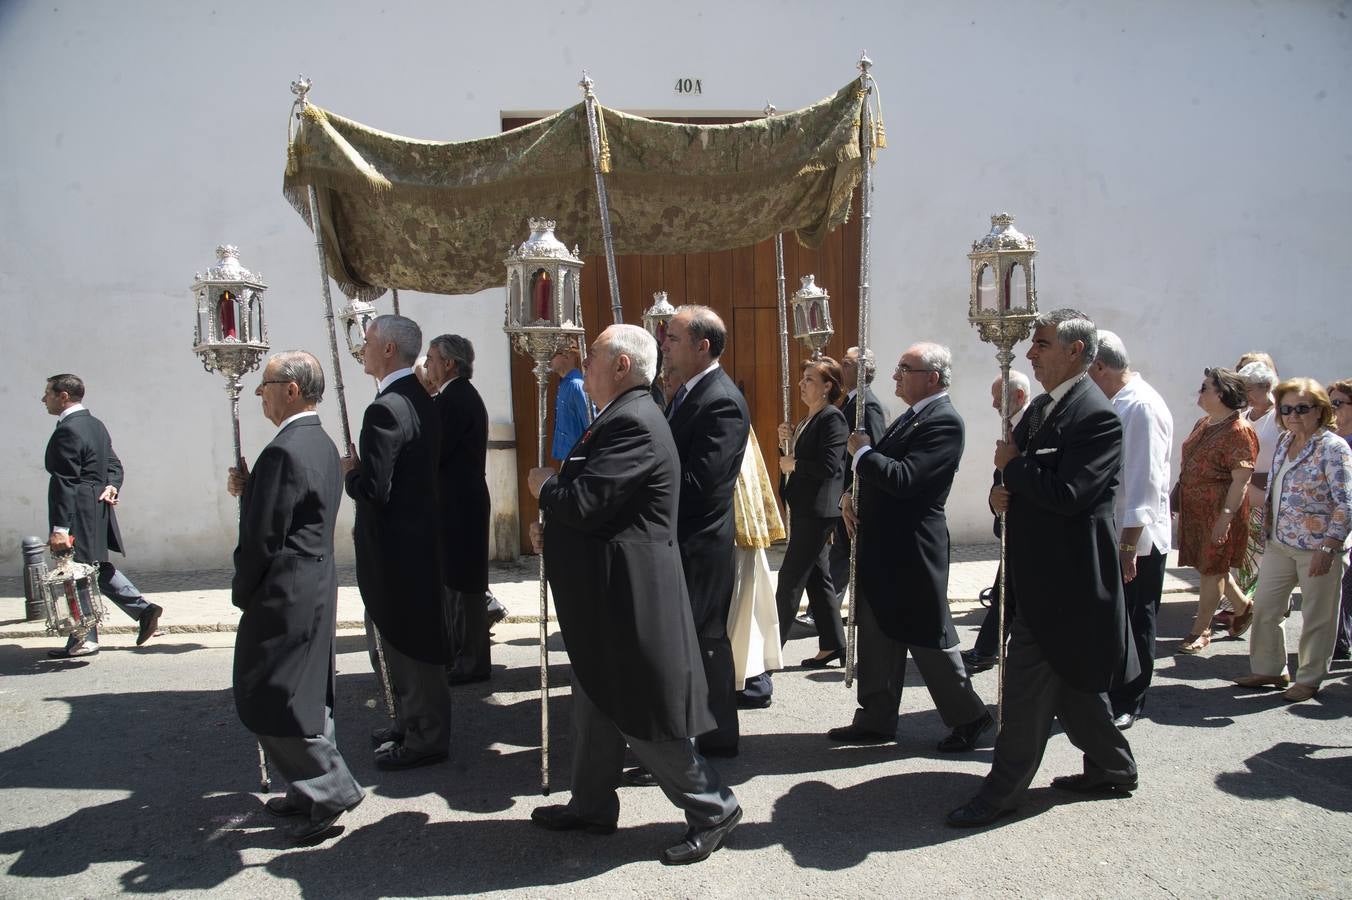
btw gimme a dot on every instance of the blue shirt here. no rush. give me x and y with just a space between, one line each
572 411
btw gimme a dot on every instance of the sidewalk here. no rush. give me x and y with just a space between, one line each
200 601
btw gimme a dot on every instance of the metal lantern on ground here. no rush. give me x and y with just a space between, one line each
544 315
1002 307
73 600
812 316
357 316
231 337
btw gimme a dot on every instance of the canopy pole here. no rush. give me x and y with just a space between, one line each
594 136
781 305
301 88
394 295
866 214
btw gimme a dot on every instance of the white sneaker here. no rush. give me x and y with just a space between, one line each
84 648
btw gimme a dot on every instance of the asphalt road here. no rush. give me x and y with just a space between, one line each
130 774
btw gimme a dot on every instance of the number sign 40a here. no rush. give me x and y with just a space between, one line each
689 86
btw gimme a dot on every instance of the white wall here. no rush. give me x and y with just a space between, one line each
1184 167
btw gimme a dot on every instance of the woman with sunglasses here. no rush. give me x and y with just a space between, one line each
1212 506
1340 398
1308 516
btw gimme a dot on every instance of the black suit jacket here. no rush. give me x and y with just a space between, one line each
611 557
710 429
875 423
81 463
902 563
1064 573
818 479
398 526
463 486
286 583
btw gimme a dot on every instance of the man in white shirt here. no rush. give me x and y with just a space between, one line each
1142 507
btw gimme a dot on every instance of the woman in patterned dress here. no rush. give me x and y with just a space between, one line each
1213 508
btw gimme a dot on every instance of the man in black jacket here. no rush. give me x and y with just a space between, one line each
1070 642
463 489
287 586
398 540
86 478
609 548
710 423
902 559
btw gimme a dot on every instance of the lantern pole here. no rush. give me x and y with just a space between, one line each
394 296
600 164
865 220
541 406
301 87
782 309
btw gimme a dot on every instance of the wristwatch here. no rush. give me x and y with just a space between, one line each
1127 548
1329 550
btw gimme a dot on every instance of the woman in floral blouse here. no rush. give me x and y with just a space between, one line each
1309 515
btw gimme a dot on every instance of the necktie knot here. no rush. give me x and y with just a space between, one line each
676 401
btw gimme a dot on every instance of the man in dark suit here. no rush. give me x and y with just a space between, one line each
609 548
901 563
463 488
398 540
1070 641
875 422
287 585
86 477
710 423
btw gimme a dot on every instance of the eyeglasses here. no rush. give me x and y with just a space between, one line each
273 381
907 370
1299 409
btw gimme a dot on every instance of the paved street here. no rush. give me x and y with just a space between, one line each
129 773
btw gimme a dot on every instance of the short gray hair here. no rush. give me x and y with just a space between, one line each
304 370
635 343
868 364
937 357
401 331
1256 373
1111 351
453 347
1071 326
1019 382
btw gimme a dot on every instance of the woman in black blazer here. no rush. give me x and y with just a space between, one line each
813 480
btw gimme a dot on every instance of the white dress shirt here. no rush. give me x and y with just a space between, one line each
392 378
300 415
1147 445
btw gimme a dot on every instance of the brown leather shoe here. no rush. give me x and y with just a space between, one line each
1298 692
1241 621
1262 681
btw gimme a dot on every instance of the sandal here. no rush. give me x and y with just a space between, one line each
1195 643
1241 622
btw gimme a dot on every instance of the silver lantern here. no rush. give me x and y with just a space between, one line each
231 334
357 316
656 317
812 316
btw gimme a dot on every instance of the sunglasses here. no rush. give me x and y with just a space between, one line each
1297 410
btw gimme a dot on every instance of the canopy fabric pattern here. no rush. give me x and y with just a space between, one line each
439 217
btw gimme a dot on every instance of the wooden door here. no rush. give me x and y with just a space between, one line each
740 285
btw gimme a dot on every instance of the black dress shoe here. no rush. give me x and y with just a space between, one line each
976 662
700 842
745 702
638 777
853 734
400 757
315 830
976 813
813 662
561 818
454 677
282 807
149 621
1087 783
386 734
964 737
84 648
1124 721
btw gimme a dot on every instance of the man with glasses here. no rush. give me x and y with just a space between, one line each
287 586
901 560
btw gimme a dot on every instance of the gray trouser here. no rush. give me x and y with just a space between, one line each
119 589
598 758
881 666
422 701
318 778
1034 696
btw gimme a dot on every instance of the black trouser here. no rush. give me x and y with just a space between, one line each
471 647
807 565
988 637
1143 606
1344 641
719 670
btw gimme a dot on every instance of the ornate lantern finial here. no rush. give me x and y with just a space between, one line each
356 317
231 334
1003 302
656 317
544 307
812 316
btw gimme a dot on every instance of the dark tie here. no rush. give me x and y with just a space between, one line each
1037 411
899 424
676 402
